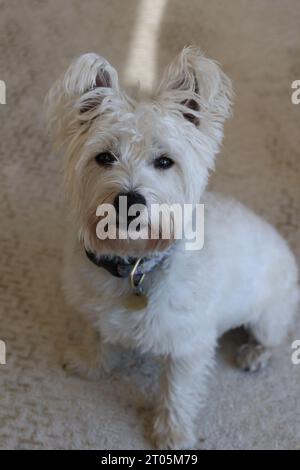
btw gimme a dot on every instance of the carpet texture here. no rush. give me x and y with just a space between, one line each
257 43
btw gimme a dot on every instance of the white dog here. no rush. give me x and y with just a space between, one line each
160 150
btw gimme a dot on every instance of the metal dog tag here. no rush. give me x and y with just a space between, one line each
136 300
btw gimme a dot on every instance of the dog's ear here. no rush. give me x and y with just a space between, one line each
196 87
75 99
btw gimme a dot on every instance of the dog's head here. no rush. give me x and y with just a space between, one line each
156 151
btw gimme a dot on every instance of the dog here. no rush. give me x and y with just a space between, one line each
155 295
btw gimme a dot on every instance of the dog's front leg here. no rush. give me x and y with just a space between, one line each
79 361
182 392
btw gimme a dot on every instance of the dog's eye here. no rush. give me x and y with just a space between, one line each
163 162
105 158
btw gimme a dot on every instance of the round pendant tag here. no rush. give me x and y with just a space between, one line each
136 302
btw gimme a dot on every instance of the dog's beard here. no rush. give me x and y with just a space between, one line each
125 247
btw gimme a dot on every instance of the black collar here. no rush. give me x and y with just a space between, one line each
120 267
116 265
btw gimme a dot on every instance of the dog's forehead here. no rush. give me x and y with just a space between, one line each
132 132
141 124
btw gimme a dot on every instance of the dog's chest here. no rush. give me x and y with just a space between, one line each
167 321
143 328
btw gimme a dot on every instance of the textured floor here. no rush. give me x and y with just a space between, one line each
257 42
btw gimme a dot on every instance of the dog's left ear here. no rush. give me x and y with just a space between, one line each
196 87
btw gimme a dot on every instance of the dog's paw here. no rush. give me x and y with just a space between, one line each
77 363
166 436
252 357
172 441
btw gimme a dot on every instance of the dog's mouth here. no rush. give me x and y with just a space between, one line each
123 239
131 225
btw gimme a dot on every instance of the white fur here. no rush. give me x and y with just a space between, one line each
244 275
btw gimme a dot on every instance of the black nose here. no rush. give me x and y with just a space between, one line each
132 197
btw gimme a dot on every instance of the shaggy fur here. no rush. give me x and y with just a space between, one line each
244 275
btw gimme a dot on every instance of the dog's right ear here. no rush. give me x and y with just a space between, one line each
76 98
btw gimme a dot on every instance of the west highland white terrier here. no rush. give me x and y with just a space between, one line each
153 294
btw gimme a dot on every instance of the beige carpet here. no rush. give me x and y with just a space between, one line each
257 41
